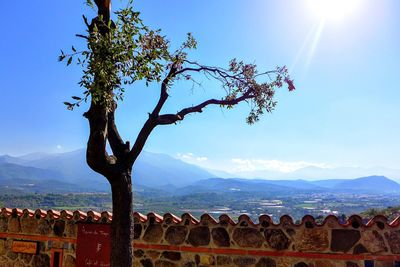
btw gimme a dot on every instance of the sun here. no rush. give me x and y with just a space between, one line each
333 9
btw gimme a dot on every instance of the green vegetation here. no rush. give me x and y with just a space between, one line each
234 203
390 212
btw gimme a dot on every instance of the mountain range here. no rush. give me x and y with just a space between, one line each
68 172
151 170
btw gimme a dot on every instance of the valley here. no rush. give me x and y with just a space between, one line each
163 184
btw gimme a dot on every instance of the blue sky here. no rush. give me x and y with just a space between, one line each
345 110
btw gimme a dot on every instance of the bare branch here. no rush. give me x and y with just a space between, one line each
164 87
173 118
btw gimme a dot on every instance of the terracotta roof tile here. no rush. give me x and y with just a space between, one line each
226 219
286 221
154 217
28 213
39 213
189 218
6 211
169 217
93 216
395 222
66 214
245 220
106 217
206 219
354 221
79 215
139 217
265 220
54 214
17 212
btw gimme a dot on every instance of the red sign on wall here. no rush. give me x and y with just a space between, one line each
93 245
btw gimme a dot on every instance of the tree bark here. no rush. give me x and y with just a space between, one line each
122 220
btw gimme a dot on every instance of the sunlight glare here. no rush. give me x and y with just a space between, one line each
333 9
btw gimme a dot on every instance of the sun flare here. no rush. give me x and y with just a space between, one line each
333 9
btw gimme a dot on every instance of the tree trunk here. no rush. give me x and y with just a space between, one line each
122 221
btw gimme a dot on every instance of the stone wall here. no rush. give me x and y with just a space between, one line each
169 241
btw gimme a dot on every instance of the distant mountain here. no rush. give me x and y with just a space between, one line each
247 185
72 167
9 159
329 183
161 173
370 184
151 170
317 173
159 170
15 177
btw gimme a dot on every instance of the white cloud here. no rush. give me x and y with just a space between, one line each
191 158
248 165
59 146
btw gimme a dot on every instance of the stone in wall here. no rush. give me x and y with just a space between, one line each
373 241
2 247
315 239
199 236
189 264
277 239
205 259
145 263
26 258
248 237
70 229
3 224
266 262
14 225
301 264
224 261
69 261
138 253
324 263
153 254
351 264
393 238
359 249
384 264
343 240
29 225
59 228
221 237
244 261
171 255
176 235
12 255
162 263
153 233
44 227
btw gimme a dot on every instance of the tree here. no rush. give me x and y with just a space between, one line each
124 51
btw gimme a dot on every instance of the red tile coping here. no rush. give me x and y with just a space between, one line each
354 221
253 252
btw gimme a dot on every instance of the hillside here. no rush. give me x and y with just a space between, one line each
151 170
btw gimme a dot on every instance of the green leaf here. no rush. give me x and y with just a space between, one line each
69 61
76 98
73 49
